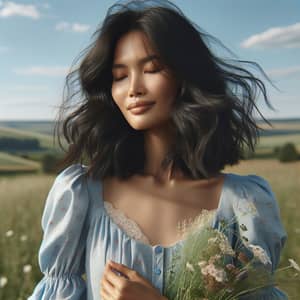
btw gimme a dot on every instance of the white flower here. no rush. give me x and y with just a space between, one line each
190 267
219 274
202 263
260 253
3 281
9 233
23 238
27 268
294 264
212 240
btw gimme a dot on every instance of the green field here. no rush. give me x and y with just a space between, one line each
283 131
17 161
45 139
8 162
290 133
269 142
22 200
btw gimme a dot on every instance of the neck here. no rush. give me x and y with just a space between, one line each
158 142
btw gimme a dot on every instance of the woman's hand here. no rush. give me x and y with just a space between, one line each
131 287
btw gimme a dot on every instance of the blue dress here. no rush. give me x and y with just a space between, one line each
80 236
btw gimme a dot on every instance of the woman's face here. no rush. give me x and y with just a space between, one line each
136 78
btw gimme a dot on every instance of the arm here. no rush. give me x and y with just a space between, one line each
61 254
264 227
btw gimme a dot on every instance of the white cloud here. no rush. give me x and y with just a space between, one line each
62 26
284 72
9 9
276 37
75 27
43 71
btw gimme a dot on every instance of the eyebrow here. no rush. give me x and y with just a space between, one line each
142 60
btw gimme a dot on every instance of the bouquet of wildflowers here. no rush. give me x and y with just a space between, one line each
208 268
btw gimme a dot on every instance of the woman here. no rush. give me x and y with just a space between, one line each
159 117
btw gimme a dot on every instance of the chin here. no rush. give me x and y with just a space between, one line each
146 124
139 126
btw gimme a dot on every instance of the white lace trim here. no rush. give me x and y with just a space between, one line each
135 232
128 225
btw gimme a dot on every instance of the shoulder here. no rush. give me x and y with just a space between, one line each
68 194
253 198
71 182
249 181
73 178
251 188
71 174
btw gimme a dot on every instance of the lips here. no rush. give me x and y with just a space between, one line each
141 109
139 104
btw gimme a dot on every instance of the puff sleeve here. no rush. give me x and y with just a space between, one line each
257 209
64 224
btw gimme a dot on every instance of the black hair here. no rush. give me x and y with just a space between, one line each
213 112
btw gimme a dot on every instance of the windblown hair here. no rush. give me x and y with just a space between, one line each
212 114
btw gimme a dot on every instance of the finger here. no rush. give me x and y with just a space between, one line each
116 280
124 269
105 295
130 273
119 273
105 283
108 288
106 270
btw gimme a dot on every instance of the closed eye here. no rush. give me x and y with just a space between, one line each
120 78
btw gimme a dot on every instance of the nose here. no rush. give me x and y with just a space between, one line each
137 87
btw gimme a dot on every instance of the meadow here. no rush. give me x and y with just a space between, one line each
22 199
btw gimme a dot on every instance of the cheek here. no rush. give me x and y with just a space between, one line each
167 91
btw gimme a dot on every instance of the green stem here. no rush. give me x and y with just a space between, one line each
253 289
284 268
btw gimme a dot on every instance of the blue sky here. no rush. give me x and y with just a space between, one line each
40 39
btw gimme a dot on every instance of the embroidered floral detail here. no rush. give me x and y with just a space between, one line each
246 207
261 254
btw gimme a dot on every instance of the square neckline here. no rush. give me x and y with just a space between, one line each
100 194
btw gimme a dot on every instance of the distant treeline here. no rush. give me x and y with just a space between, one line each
13 144
273 132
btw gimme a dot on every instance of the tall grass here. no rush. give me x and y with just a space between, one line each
22 201
21 204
